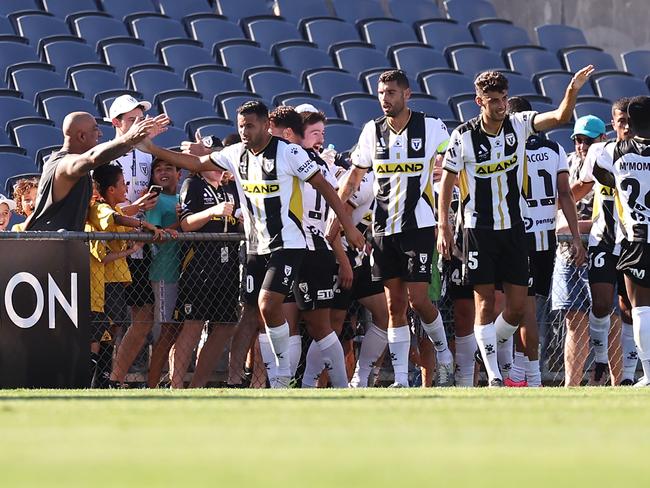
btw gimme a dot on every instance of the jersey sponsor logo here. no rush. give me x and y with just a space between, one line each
266 188
635 166
391 168
538 157
325 294
416 143
639 274
304 167
607 191
498 167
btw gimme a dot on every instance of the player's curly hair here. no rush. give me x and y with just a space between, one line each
490 81
287 118
311 118
21 188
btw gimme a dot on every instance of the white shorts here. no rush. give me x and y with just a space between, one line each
165 301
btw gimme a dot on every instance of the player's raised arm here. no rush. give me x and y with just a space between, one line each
186 161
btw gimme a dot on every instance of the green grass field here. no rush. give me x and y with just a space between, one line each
398 438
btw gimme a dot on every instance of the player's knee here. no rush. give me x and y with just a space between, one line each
396 306
420 303
600 308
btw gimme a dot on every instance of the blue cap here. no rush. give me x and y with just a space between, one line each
590 126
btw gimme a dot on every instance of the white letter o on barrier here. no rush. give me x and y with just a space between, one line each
27 322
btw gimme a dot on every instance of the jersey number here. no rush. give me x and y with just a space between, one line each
634 187
549 191
472 260
598 261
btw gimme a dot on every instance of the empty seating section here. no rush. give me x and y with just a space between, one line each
383 33
268 31
556 36
212 29
152 28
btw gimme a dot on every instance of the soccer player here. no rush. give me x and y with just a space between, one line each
268 172
487 155
625 166
401 147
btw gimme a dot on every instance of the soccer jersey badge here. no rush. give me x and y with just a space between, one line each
510 139
268 164
287 270
416 143
144 167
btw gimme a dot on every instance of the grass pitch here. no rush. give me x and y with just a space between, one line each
398 438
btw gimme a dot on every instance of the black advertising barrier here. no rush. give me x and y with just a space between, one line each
44 313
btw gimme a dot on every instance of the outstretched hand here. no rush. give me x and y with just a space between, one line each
581 77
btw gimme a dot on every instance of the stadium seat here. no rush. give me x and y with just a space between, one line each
441 33
296 10
563 137
14 50
172 137
412 11
266 31
385 32
9 6
178 10
14 108
183 109
230 101
62 54
413 58
94 27
241 55
123 54
519 84
618 85
153 28
301 56
238 9
353 11
371 81
358 108
325 31
63 8
212 29
577 58
330 82
211 81
465 13
183 54
558 36
269 82
37 25
6 28
430 106
57 107
220 130
531 60
465 107
13 165
93 80
472 60
356 57
293 100
34 136
152 81
637 63
121 8
444 84
553 84
597 107
31 78
342 136
499 34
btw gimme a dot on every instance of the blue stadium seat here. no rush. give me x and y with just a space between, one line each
342 136
68 52
218 129
63 8
444 84
93 80
358 108
152 81
385 32
57 107
6 27
465 13
236 9
97 26
183 54
563 137
241 55
637 63
153 28
266 31
212 29
356 57
34 136
211 81
14 50
465 107
413 58
358 10
499 34
301 56
444 32
519 84
14 108
293 100
171 138
531 60
553 84
9 6
178 10
541 107
13 165
618 85
371 81
577 58
325 31
230 101
558 36
296 10
37 25
330 82
31 78
121 8
123 54
183 109
471 60
269 82
598 107
430 106
412 11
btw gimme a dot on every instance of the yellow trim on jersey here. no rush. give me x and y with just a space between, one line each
500 201
463 185
595 210
498 167
188 258
405 167
489 134
295 202
395 206
403 128
428 189
524 183
619 209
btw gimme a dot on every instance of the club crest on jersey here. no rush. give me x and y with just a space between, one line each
144 167
423 258
510 139
287 270
304 287
188 308
268 164
416 143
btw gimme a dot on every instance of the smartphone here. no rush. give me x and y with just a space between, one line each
157 189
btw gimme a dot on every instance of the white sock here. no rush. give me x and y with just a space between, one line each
518 371
334 360
267 356
295 351
279 339
399 342
630 355
503 329
486 338
533 373
436 332
465 349
641 324
313 366
598 331
504 356
373 344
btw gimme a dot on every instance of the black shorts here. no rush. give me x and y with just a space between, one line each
362 286
314 285
634 261
602 265
209 285
139 291
100 327
493 256
406 255
273 272
541 272
457 289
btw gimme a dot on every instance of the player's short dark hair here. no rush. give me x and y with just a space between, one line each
287 118
490 81
254 107
621 105
518 104
396 75
638 112
106 176
311 118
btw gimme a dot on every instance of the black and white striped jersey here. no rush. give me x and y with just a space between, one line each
545 159
492 171
363 203
269 186
403 164
605 232
625 166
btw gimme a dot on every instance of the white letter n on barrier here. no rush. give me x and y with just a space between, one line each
71 308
